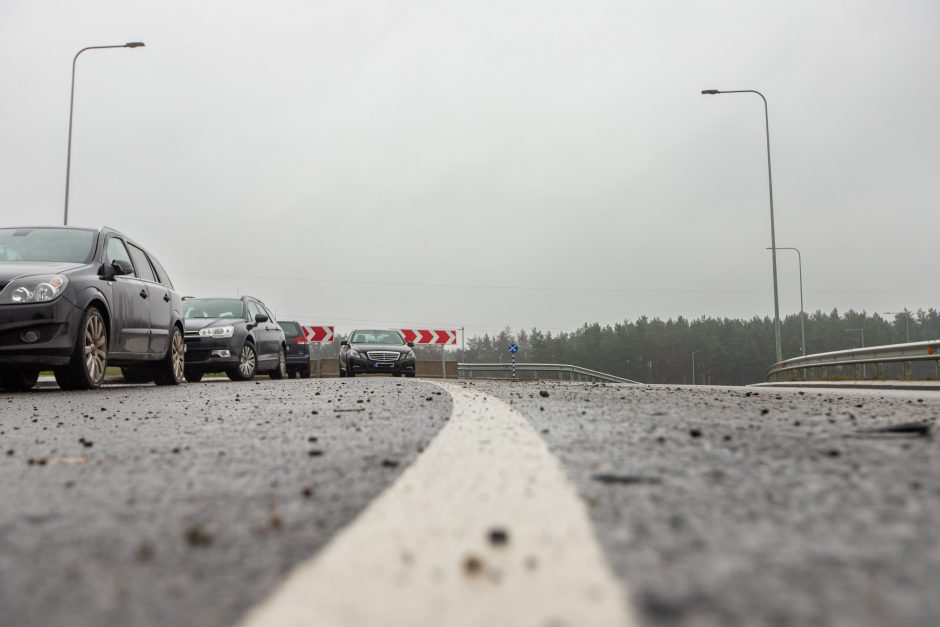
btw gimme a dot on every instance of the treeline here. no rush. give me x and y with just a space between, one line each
727 351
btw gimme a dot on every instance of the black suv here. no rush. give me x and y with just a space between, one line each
298 349
79 300
376 350
237 336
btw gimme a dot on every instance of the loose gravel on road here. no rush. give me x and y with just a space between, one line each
734 506
140 506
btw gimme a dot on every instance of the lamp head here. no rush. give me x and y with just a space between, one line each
710 92
134 44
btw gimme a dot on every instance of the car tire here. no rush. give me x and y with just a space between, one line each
280 372
410 374
136 374
193 376
342 371
304 372
89 362
171 369
247 364
19 380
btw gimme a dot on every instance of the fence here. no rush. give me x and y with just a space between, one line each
537 372
917 361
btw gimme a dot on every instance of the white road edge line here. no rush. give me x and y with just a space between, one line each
421 553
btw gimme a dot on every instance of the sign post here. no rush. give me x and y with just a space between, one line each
318 335
513 349
431 336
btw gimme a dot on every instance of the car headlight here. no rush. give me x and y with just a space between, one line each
217 332
354 353
408 355
34 289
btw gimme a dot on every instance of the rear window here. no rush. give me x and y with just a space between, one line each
291 329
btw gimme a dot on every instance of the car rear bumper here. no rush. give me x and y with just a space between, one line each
50 326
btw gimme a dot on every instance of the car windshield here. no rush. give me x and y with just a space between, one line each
214 308
290 328
377 337
66 245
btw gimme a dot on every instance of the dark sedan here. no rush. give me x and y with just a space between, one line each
298 349
79 300
237 336
376 350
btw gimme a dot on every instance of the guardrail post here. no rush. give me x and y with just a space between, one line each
907 371
880 371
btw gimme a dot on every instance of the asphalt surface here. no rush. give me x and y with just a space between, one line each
736 506
139 505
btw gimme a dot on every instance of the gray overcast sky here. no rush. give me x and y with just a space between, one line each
406 163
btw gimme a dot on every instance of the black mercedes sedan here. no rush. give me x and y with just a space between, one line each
376 350
237 336
79 300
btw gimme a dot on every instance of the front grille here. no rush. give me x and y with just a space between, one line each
197 354
382 356
12 337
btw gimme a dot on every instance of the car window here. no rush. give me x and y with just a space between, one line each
213 308
291 329
162 276
377 337
47 244
253 310
142 264
117 251
269 312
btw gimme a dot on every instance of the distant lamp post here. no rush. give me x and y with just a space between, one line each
862 331
799 258
68 160
907 321
773 239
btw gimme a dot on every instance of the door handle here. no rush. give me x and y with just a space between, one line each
166 298
144 294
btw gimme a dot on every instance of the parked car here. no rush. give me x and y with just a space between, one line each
298 350
376 350
237 336
78 300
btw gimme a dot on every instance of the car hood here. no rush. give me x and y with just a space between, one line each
196 324
381 347
10 270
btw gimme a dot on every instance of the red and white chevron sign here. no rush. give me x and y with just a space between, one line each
429 336
318 334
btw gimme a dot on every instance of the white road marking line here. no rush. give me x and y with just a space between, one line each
421 554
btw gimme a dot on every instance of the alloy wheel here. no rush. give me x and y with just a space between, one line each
96 347
178 349
246 364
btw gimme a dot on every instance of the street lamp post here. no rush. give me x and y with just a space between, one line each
68 159
907 321
773 238
799 259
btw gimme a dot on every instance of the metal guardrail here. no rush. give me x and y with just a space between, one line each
537 372
917 361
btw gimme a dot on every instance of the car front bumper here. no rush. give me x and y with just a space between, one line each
364 365
53 325
208 354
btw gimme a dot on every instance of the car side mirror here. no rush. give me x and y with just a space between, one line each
344 343
411 344
259 318
118 267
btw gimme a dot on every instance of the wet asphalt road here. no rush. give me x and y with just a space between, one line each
185 506
740 506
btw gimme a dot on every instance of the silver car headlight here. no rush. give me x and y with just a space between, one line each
34 289
354 353
217 332
408 355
